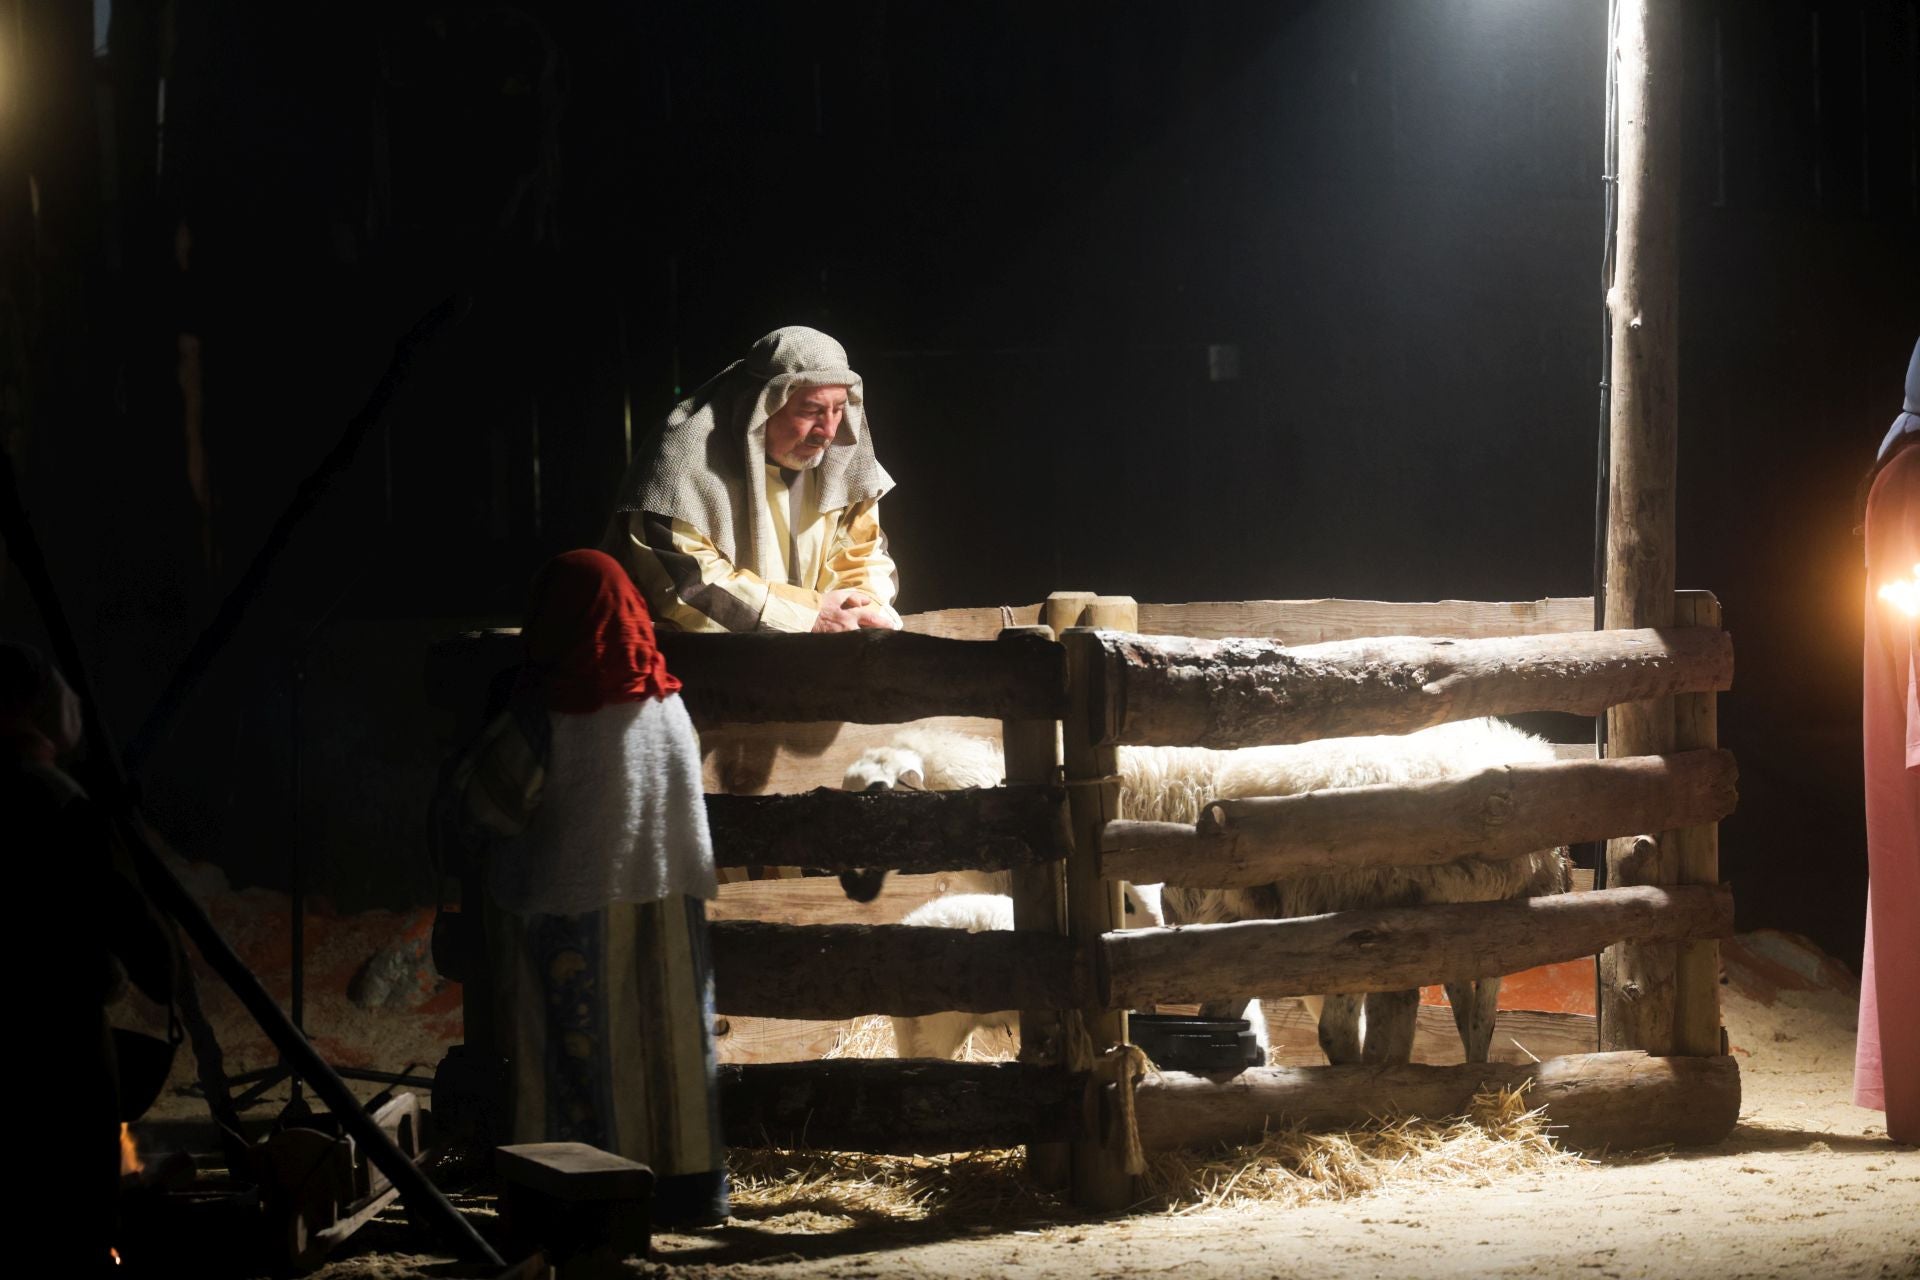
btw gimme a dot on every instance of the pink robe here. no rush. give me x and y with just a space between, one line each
1887 1060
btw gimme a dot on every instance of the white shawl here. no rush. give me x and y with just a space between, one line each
621 816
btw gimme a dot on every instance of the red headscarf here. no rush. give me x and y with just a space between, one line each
589 638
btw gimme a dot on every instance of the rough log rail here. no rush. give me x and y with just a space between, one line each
849 970
1501 812
1593 1101
1395 948
1168 691
1618 1101
869 677
1318 621
896 1108
985 829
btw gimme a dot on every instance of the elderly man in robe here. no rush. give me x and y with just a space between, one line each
755 505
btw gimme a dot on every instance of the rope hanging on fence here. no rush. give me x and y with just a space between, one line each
1120 1066
1076 1043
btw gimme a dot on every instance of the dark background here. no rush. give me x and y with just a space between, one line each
1029 224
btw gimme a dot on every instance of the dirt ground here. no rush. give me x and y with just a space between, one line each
1807 1185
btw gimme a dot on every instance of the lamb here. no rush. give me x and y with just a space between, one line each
940 1035
1172 784
926 760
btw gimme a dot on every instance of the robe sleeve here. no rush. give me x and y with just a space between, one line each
689 584
497 785
857 557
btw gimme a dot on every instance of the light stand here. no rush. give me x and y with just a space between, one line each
259 1081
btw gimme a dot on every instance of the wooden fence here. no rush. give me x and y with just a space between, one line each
1066 682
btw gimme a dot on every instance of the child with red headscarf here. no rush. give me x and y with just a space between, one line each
598 859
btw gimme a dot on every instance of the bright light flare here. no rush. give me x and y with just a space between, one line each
1904 593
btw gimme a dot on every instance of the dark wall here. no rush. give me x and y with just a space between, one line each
1186 302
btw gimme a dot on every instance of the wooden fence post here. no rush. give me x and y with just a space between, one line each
1100 1179
1636 990
1065 609
1039 903
1696 1018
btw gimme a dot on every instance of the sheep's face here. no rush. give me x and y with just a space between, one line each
880 769
886 769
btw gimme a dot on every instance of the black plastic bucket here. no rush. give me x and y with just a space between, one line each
1203 1046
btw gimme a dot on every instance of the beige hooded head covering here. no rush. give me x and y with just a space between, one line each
703 465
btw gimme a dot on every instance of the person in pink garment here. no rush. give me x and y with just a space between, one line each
1887 1060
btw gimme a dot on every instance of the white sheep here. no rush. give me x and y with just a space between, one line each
940 1035
926 760
1173 784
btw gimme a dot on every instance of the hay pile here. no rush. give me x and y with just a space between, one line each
832 1190
1497 1138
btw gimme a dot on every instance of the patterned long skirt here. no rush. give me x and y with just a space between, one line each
606 1022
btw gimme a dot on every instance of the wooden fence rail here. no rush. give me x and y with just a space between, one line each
1500 812
863 677
1593 1101
897 1108
1395 948
1170 691
872 677
1620 1101
847 970
981 829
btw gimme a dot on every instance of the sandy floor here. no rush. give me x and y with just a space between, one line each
1808 1185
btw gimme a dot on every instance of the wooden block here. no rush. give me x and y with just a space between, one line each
574 1171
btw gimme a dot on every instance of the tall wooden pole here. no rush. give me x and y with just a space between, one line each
1637 982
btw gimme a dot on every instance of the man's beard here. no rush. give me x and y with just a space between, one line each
792 463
